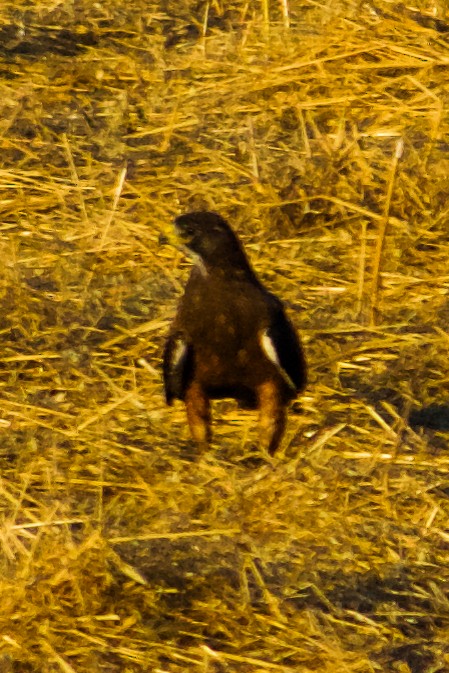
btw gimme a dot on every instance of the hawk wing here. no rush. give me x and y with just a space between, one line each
282 346
177 367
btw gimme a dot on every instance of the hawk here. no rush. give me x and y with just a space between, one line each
231 337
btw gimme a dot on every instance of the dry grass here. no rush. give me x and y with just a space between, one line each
321 130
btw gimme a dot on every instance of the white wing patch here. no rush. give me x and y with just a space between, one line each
178 353
270 351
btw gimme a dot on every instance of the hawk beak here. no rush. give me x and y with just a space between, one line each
168 236
181 237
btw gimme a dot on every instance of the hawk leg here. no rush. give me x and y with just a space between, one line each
198 414
272 416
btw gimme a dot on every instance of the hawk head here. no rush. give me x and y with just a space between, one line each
208 236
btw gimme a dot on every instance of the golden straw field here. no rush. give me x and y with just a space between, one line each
320 129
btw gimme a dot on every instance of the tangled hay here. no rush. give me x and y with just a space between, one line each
321 130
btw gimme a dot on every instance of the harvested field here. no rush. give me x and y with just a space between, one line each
321 130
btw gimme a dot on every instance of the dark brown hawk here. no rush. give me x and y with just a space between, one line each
231 337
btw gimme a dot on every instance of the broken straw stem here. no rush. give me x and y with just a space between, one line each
381 234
